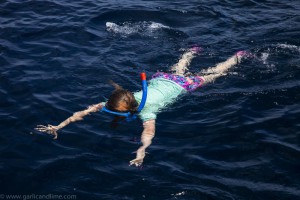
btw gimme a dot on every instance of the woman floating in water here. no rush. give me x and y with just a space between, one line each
164 88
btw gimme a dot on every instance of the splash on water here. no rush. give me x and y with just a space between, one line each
264 57
178 194
129 28
290 47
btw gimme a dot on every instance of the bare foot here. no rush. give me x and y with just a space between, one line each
243 54
196 49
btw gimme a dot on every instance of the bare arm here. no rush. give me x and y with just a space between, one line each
75 117
146 139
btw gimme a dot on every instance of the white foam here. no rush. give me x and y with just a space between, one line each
179 193
264 57
125 29
129 28
155 25
289 46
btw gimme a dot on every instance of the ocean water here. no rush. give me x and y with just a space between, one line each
238 138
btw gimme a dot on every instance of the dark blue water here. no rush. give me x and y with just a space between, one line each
238 138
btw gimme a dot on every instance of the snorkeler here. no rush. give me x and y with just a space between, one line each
163 90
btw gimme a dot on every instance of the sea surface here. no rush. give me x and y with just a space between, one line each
237 138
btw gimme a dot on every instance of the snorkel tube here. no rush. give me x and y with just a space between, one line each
144 97
129 116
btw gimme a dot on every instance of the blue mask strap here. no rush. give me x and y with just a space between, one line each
145 91
127 114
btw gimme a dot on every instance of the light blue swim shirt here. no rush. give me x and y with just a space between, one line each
161 92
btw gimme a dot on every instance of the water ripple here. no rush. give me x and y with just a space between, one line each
237 138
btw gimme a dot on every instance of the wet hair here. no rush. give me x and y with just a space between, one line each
121 100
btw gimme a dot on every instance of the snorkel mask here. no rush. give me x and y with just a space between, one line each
129 116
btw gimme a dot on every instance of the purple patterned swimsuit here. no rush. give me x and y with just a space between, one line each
189 83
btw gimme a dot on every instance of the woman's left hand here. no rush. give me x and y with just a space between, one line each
52 130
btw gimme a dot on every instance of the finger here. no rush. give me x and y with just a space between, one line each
131 162
44 131
40 129
135 162
40 126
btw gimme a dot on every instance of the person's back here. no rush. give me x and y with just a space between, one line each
161 92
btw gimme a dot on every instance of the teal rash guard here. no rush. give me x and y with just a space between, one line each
161 92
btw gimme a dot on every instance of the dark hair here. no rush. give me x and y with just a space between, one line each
121 100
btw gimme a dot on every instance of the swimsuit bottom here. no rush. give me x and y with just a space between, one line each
189 83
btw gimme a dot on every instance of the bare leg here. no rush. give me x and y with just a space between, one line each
220 69
181 67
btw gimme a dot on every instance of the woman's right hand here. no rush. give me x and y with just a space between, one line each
52 130
140 155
